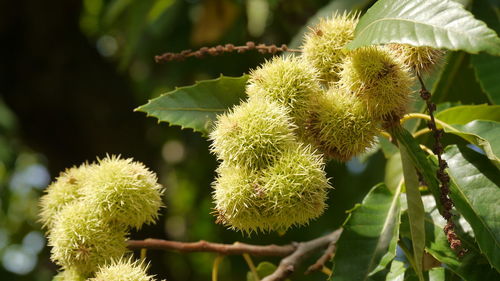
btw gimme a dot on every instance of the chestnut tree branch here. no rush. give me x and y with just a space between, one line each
205 246
288 265
294 253
221 49
327 255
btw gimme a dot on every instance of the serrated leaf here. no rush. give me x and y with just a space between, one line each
415 210
442 24
197 106
368 242
464 114
483 134
476 195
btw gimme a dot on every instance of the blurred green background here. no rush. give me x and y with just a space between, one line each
71 73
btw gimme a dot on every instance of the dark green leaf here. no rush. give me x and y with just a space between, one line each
197 106
464 114
487 70
368 242
436 23
476 195
415 210
486 67
472 267
457 82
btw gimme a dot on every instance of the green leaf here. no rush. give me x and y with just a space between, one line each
472 267
393 172
464 114
484 134
441 24
338 6
264 269
197 106
397 271
419 160
415 210
476 195
368 242
486 67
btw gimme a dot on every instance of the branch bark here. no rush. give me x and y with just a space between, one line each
204 246
294 253
289 264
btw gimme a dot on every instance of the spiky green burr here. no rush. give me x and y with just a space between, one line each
378 78
290 192
253 134
421 59
122 191
340 126
82 241
66 189
123 270
324 43
289 80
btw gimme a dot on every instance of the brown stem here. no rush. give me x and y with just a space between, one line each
204 246
219 49
288 265
442 175
294 253
327 256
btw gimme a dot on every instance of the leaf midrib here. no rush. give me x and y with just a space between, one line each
411 21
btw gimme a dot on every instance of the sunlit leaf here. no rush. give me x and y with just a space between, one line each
397 271
368 242
464 114
483 134
436 23
197 106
